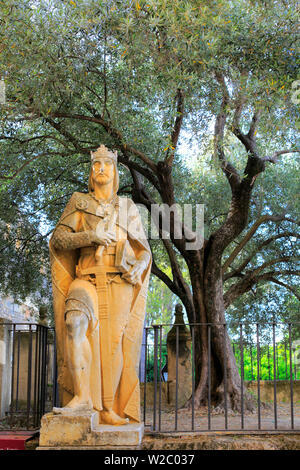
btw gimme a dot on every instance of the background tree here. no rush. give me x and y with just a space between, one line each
141 76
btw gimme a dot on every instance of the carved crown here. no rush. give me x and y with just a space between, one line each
103 152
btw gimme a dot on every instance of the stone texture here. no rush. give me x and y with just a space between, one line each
206 441
283 390
5 367
100 265
184 374
83 431
222 441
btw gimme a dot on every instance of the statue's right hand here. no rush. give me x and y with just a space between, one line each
102 238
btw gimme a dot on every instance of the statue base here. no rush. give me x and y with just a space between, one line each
83 431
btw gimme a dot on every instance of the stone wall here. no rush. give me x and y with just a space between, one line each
23 361
5 368
23 343
266 392
12 312
17 313
283 390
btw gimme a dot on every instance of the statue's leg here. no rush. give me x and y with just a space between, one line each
80 324
78 357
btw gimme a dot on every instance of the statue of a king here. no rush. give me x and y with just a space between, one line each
101 262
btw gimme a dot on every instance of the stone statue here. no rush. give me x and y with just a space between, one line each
101 262
182 371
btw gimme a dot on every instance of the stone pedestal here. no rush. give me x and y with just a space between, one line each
83 431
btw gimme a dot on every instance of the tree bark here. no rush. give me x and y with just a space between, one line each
212 339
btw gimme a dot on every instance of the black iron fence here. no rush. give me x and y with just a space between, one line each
28 384
268 360
267 356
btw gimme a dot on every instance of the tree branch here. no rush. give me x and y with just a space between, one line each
247 283
177 127
112 131
249 235
164 278
238 271
274 158
228 169
287 286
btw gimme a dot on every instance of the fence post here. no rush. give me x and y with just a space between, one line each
145 373
225 377
242 375
258 373
274 376
291 377
155 374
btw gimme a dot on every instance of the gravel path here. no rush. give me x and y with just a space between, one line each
217 420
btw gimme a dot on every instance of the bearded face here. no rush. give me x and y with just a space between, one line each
103 171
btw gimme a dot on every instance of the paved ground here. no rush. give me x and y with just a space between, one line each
217 420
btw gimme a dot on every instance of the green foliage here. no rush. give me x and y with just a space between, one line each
160 303
70 66
267 371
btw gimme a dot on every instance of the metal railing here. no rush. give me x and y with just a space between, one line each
267 357
29 378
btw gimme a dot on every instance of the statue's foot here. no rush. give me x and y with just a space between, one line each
76 405
78 402
110 417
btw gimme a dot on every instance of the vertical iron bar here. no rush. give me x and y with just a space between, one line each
242 375
42 370
285 357
12 373
55 385
225 378
155 376
18 369
251 359
291 377
29 377
209 376
277 368
45 367
145 373
176 393
258 374
269 366
39 372
47 364
159 397
35 419
193 377
274 377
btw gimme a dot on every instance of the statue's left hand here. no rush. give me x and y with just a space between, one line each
134 275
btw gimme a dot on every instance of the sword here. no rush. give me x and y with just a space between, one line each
108 227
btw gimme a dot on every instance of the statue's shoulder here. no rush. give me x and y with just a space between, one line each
81 200
78 201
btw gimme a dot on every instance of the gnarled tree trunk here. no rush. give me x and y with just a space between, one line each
212 341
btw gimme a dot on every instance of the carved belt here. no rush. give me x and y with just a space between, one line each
97 270
91 250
